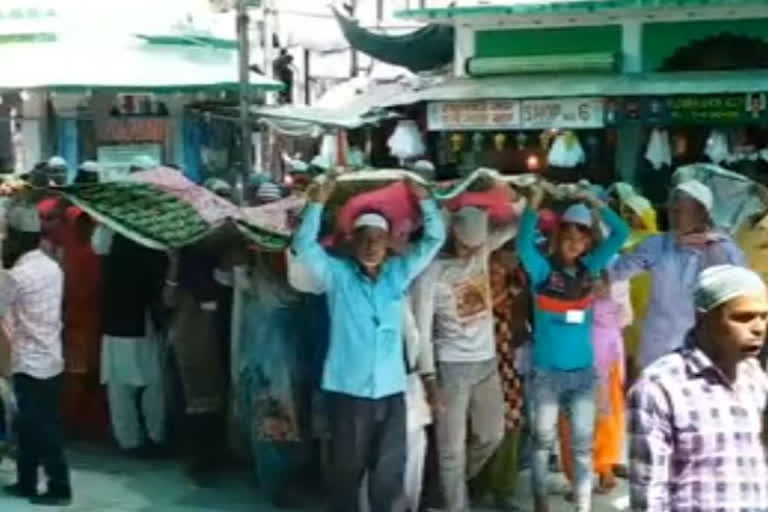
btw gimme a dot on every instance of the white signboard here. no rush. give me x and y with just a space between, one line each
473 115
572 113
116 160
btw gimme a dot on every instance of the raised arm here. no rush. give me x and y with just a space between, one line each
650 451
421 254
599 257
306 246
500 235
642 259
535 264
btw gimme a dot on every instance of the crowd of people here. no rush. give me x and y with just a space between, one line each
415 368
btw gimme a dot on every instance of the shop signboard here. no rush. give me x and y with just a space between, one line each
115 160
473 115
132 130
686 110
562 113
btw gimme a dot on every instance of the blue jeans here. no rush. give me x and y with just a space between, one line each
575 391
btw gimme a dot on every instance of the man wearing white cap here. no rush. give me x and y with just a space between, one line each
365 371
88 172
674 259
452 304
57 170
697 414
31 294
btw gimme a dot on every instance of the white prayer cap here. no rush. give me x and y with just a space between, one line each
57 162
697 191
144 162
719 284
90 166
470 225
578 214
372 220
23 217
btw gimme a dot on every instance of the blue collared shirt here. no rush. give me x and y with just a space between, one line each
366 354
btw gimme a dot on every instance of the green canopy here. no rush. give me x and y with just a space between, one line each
424 49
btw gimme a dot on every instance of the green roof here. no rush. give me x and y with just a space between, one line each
565 7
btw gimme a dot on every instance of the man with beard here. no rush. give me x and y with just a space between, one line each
697 415
31 292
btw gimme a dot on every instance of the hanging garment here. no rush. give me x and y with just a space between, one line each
659 153
406 141
566 151
717 148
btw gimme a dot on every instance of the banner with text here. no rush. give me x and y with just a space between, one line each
571 113
473 115
565 113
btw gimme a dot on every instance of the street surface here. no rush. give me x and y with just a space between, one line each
106 482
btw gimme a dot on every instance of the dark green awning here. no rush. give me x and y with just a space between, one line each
434 44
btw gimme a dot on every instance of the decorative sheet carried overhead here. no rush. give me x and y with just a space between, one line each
162 210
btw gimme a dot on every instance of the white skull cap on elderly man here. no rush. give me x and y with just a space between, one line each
698 191
719 284
372 220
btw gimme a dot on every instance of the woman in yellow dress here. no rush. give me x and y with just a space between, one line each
641 216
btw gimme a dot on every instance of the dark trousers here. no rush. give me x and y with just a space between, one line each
38 434
367 436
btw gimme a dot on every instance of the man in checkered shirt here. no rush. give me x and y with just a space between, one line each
31 289
697 415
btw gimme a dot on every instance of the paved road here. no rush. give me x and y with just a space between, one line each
106 482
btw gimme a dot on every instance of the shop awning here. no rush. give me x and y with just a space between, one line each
434 44
349 105
295 117
126 64
586 85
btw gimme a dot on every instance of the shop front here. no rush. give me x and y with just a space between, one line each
730 130
561 138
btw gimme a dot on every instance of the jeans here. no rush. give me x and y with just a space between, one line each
37 424
575 391
471 394
367 436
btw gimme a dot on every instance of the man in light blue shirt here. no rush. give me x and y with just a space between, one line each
365 371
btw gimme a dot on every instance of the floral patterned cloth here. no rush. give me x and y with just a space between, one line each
510 311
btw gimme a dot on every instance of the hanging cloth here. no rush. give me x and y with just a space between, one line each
406 141
566 151
717 147
659 152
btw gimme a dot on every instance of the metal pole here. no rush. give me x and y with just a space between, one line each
307 78
245 65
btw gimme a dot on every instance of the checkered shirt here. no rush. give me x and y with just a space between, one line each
31 294
696 438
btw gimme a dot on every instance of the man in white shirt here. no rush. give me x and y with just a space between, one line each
31 293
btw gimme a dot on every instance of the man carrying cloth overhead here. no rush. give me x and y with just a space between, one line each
365 372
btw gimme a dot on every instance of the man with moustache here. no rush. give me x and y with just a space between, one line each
365 372
697 414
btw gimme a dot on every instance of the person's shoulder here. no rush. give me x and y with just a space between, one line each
36 265
667 371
